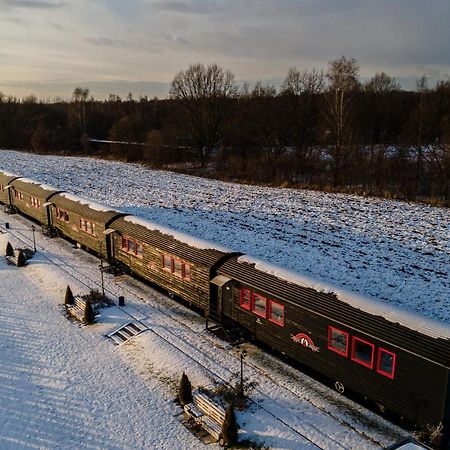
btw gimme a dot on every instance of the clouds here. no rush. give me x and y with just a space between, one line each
137 40
32 4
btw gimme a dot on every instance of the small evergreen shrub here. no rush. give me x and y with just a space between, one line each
21 260
9 250
89 315
69 300
230 427
185 390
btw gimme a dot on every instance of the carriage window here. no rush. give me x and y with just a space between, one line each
167 262
177 268
62 215
338 341
18 194
35 202
276 312
362 352
246 297
186 271
2 188
386 363
139 252
259 305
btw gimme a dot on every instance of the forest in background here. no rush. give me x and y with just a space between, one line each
320 130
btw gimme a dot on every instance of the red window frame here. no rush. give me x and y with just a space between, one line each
35 202
135 249
61 214
360 361
18 194
379 370
185 269
2 188
246 299
254 296
334 349
89 227
278 322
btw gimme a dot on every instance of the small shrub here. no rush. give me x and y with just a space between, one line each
89 315
230 427
185 390
21 260
69 300
9 250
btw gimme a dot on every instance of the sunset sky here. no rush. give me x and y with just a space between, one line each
50 46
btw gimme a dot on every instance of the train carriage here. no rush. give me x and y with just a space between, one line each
5 194
397 359
31 198
82 221
176 262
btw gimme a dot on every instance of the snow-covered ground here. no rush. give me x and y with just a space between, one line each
394 251
67 386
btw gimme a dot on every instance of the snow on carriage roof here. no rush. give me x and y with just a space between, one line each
415 321
186 239
84 201
47 187
8 174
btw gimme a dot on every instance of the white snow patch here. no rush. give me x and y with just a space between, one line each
84 201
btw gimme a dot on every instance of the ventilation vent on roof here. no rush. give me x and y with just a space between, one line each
126 332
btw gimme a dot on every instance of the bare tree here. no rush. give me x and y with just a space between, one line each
80 96
343 81
204 92
306 82
381 83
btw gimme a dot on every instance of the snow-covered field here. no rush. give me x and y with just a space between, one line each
65 386
394 251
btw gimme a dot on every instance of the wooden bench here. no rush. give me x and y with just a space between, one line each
77 309
207 413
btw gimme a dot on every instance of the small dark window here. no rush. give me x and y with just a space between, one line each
276 312
186 271
338 341
167 262
362 352
259 305
177 268
246 297
386 363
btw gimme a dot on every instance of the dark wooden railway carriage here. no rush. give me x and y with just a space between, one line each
397 359
31 198
176 262
82 221
5 191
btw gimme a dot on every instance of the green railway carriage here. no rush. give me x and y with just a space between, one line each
398 359
5 190
31 198
82 221
176 262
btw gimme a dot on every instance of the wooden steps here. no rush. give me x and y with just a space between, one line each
126 332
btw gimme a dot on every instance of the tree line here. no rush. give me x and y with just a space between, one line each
320 129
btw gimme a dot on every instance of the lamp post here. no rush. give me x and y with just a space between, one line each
101 274
34 238
242 356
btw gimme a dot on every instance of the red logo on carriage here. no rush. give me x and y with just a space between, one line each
305 340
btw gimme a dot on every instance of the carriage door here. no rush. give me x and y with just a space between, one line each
218 298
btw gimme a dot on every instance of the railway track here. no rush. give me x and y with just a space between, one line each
200 356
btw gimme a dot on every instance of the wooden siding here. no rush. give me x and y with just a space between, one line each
155 244
5 179
30 189
418 388
71 228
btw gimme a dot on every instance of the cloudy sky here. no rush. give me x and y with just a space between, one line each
47 47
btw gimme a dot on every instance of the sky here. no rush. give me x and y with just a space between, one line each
48 47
